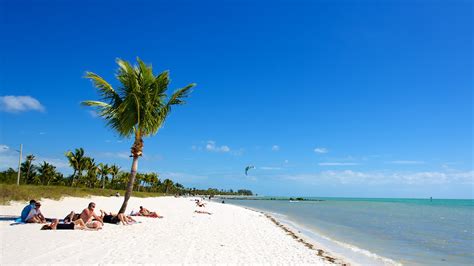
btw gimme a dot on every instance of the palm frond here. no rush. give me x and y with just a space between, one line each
107 92
96 104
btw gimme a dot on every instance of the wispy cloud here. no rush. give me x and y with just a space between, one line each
184 178
406 162
269 168
4 148
336 164
383 178
211 146
9 158
18 104
93 113
275 148
116 155
61 164
321 150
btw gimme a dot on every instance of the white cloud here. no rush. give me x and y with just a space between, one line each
406 162
275 148
337 164
17 104
211 146
4 148
321 150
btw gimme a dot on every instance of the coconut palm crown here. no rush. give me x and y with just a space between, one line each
138 107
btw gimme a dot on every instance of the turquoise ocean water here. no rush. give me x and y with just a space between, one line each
383 231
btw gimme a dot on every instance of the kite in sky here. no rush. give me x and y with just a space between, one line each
248 168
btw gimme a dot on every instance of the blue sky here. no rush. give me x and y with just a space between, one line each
325 98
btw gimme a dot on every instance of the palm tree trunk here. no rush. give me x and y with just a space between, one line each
131 181
28 173
73 176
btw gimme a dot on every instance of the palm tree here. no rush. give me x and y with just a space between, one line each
29 161
138 180
168 184
77 161
104 171
114 171
47 173
92 168
138 108
152 180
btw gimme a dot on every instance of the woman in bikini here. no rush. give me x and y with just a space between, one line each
55 225
147 213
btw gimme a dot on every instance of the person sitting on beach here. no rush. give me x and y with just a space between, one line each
71 217
87 215
145 212
35 215
116 218
200 203
55 225
27 209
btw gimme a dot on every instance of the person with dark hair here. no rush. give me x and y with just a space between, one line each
112 218
87 215
55 225
35 215
71 217
27 209
145 212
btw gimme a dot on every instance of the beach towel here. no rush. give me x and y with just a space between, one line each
17 221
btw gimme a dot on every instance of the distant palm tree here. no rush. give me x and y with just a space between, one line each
29 161
47 173
90 180
138 108
77 161
114 171
138 180
104 171
152 180
168 184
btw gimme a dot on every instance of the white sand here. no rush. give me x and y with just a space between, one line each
230 235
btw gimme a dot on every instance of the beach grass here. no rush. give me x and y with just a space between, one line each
10 192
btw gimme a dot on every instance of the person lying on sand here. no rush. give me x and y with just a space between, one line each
203 212
87 215
55 225
112 218
35 215
145 212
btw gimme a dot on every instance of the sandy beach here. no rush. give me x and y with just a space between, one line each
231 234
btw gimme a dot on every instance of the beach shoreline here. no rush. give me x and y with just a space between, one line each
329 249
232 234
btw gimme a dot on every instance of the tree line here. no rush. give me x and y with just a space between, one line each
91 174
